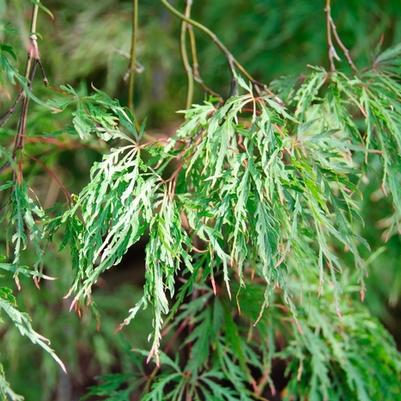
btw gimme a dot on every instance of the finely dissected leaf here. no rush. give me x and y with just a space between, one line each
6 393
225 186
22 322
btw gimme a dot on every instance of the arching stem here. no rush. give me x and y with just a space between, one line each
231 60
132 63
184 56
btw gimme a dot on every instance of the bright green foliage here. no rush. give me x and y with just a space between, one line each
22 322
374 101
244 215
6 393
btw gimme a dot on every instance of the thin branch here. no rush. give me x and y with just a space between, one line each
21 130
264 380
167 349
195 65
132 64
33 59
331 30
331 48
345 50
232 61
6 116
184 56
55 177
42 71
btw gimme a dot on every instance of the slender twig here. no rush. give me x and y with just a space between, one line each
184 55
331 48
42 71
55 177
167 349
6 116
345 50
33 59
264 380
195 65
19 138
232 61
331 31
132 63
